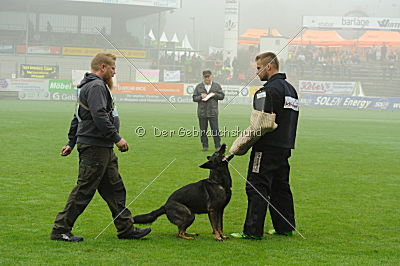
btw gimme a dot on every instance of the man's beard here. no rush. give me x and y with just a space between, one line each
109 82
264 78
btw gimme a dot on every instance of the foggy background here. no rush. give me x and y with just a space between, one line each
284 15
171 42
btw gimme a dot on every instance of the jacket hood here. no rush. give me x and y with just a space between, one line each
88 78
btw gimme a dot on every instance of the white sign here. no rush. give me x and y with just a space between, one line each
327 87
147 75
77 76
34 95
214 50
155 3
172 75
24 84
351 22
229 91
231 28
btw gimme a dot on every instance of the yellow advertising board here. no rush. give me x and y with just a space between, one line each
80 51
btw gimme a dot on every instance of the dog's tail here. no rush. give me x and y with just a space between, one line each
149 217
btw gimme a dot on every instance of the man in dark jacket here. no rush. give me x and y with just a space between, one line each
207 94
268 172
94 129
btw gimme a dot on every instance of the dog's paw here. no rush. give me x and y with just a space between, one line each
182 235
218 238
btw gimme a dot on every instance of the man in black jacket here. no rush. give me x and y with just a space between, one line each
268 172
94 129
207 94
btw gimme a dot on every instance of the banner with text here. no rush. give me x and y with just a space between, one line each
373 23
353 102
6 48
172 75
148 88
229 90
61 86
39 71
23 84
39 49
80 51
327 87
146 75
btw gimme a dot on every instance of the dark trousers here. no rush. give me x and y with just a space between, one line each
203 122
268 174
98 170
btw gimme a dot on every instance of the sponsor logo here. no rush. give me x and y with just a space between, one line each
382 105
355 22
190 89
362 104
386 23
291 103
230 25
257 162
328 101
3 84
261 95
59 96
396 106
60 86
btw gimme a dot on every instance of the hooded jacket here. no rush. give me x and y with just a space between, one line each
98 125
280 97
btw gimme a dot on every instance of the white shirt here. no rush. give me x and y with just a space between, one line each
208 87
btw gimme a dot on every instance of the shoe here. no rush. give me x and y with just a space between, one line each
205 149
69 237
273 232
137 233
245 236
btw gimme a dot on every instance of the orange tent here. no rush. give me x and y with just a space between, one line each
321 38
252 36
376 37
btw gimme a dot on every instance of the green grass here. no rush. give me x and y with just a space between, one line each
345 181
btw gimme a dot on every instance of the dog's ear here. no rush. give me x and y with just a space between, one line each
222 149
208 165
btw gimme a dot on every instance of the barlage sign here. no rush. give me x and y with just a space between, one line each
370 23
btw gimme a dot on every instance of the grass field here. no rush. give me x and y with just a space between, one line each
345 181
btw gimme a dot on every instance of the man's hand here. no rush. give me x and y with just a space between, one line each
122 145
212 94
66 150
203 95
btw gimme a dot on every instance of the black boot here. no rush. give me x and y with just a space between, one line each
69 237
137 233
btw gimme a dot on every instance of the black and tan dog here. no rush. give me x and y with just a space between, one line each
209 195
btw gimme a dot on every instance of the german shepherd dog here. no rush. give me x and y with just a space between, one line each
209 195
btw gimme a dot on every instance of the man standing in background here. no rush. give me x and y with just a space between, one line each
207 94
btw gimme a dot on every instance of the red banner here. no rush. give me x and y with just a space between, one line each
147 88
39 49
